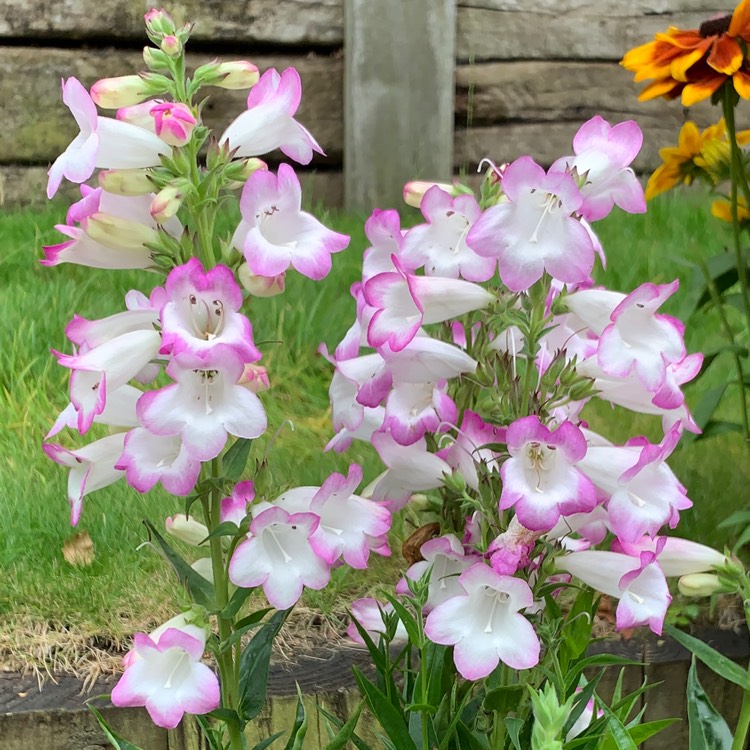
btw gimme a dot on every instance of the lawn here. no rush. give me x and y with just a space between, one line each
44 601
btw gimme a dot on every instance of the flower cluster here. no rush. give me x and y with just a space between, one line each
483 412
176 375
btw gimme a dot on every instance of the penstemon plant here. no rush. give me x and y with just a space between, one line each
484 339
176 376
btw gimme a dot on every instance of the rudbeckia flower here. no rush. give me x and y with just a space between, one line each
695 63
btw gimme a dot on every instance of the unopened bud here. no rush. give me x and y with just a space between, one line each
699 584
238 171
125 181
166 203
255 378
187 529
171 46
173 122
118 233
237 74
123 91
155 59
261 286
414 191
159 22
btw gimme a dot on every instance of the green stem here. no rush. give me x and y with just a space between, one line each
743 723
538 294
225 659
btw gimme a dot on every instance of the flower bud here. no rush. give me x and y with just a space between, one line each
139 114
155 59
238 171
171 46
255 378
166 203
261 286
159 22
238 74
119 234
186 528
414 191
203 567
123 91
699 584
125 181
173 122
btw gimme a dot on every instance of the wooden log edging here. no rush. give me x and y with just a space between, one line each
54 719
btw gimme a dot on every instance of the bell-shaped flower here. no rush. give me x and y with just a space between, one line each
484 623
148 458
349 523
235 507
638 582
173 122
468 451
106 367
603 154
440 245
102 142
510 550
205 404
369 613
202 311
540 479
412 409
676 557
91 468
275 232
279 556
535 230
187 529
591 528
168 678
644 492
268 123
370 422
383 230
444 559
411 468
119 411
183 621
404 302
641 341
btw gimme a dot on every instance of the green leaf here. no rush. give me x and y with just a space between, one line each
299 728
715 427
200 589
643 732
223 529
738 518
235 603
389 717
235 459
620 735
341 740
705 409
357 741
581 701
708 730
514 726
117 742
407 619
503 699
715 661
254 665
263 744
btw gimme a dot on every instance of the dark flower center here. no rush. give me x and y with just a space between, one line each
715 26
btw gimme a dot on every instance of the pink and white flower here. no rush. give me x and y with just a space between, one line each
484 624
268 123
275 232
440 245
383 230
202 312
173 122
278 555
168 678
368 612
540 479
235 507
603 154
102 142
535 230
412 409
205 405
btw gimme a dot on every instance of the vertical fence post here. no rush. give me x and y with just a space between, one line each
399 62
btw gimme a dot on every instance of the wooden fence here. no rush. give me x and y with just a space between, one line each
393 89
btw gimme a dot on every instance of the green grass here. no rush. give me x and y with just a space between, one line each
127 587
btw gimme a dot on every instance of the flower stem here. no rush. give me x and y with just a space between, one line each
743 723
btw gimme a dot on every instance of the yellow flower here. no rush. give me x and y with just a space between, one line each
698 155
695 63
722 210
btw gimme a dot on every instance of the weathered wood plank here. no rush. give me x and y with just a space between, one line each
25 186
600 7
308 22
399 60
38 127
564 31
